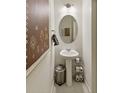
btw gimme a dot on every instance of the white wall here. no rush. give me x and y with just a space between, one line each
60 12
87 41
41 79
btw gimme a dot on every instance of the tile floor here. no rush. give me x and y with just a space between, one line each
75 88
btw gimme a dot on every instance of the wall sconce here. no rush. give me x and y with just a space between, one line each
68 8
68 5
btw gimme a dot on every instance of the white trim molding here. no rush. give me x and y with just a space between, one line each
85 80
33 66
88 88
53 88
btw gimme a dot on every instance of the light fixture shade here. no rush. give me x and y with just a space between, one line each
68 5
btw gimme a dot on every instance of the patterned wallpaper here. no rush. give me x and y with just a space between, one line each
37 29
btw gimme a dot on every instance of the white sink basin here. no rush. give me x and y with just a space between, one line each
69 53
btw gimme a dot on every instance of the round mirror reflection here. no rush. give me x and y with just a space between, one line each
68 29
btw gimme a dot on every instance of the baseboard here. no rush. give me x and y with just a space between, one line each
53 88
85 80
86 83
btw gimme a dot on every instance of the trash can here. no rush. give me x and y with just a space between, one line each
60 74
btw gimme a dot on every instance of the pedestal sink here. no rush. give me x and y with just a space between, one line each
68 55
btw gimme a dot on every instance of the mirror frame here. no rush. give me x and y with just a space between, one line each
67 29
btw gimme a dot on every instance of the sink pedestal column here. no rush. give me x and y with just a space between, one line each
68 72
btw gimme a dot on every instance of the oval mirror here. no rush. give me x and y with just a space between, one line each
68 29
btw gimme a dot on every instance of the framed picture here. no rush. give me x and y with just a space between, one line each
66 31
